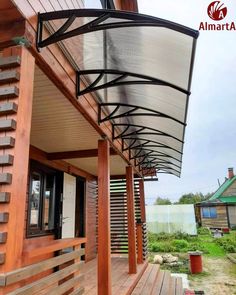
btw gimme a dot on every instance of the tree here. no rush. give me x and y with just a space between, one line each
192 198
162 201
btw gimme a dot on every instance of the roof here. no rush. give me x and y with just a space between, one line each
231 199
139 68
222 189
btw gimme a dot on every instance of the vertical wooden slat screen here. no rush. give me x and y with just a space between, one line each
119 224
91 219
119 234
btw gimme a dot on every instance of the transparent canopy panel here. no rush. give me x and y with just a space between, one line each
139 68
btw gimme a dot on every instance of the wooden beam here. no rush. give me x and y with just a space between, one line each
11 34
9 62
130 5
131 220
142 200
104 240
9 13
76 154
122 176
41 156
139 243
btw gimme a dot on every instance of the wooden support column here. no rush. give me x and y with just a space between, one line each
104 239
142 200
131 220
16 101
139 227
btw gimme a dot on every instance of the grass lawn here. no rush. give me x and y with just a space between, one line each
219 273
213 249
204 242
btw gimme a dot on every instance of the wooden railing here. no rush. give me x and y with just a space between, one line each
63 271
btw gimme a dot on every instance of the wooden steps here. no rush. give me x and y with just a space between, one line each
156 282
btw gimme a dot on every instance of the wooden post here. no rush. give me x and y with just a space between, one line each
139 227
131 220
104 239
142 200
15 142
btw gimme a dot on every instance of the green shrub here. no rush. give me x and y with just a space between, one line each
228 243
203 231
180 245
161 247
181 236
198 247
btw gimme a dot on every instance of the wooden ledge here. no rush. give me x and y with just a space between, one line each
31 251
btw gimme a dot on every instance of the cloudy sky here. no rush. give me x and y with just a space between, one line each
210 141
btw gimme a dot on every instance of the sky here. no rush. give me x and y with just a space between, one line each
210 138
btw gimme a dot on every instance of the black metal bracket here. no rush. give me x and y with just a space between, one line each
150 152
158 162
137 130
160 168
143 142
116 19
132 112
121 78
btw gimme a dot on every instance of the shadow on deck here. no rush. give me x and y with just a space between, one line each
149 280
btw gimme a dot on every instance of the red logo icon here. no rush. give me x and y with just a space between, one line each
217 11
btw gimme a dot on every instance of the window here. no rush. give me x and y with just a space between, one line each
41 208
209 212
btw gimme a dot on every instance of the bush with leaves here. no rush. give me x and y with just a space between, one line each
161 247
228 243
203 231
180 245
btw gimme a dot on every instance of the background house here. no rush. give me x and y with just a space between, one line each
220 210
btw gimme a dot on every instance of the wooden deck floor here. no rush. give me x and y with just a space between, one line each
156 282
149 280
122 282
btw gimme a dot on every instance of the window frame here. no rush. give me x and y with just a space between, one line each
43 171
210 215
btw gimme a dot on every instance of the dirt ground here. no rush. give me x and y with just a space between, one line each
218 278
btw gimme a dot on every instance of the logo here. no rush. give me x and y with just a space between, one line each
217 11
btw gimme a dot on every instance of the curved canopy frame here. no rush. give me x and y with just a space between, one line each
143 142
148 152
113 21
139 130
133 110
121 78
145 97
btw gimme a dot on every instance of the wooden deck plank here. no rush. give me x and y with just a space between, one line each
166 284
172 286
122 282
119 277
179 286
148 287
132 280
143 280
158 284
149 280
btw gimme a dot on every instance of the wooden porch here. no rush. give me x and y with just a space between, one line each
148 280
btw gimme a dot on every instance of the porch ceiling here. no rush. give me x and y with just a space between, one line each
90 165
57 126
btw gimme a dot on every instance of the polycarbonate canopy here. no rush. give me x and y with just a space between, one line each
139 68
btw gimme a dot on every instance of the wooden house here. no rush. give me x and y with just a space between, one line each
93 102
220 210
